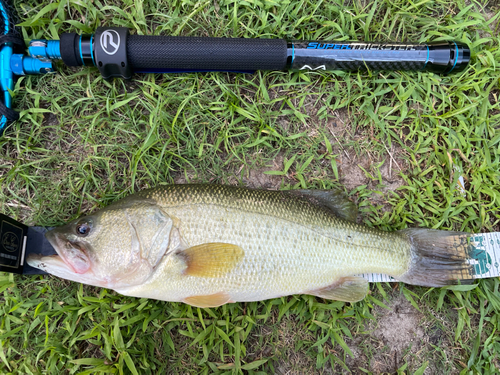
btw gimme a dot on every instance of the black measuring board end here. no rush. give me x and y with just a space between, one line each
13 237
17 241
37 244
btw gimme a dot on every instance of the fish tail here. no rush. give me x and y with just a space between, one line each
438 258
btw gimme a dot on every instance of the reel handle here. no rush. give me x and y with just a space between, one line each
14 62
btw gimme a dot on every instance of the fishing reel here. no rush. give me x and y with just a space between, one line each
13 62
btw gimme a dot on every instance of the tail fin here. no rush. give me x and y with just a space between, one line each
438 258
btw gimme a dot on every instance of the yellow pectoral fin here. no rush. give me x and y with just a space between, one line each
211 259
212 300
347 289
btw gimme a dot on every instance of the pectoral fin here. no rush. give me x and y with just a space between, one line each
347 289
211 300
211 259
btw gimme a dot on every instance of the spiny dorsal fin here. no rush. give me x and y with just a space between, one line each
347 289
211 259
211 300
335 200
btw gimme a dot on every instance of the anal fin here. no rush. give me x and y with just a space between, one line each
347 289
211 300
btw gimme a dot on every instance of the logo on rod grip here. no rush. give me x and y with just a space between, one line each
322 67
315 45
355 46
110 41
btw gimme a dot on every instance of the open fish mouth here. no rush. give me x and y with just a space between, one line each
51 262
59 242
57 265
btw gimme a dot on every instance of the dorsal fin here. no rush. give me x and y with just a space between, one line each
335 200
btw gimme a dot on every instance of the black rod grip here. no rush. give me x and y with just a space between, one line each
150 53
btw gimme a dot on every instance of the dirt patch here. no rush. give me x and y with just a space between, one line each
185 178
50 119
489 12
379 171
396 335
258 179
252 176
400 329
403 335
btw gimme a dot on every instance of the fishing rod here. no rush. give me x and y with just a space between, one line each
117 53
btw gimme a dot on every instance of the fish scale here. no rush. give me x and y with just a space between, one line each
291 246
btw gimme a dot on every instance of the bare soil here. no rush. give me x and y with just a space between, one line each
357 166
402 334
256 178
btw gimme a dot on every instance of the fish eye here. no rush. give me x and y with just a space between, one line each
83 227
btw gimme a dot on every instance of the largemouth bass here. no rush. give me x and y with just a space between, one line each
207 245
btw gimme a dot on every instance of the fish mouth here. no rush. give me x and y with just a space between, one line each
45 263
59 242
58 265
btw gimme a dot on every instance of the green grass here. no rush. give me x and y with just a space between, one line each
83 142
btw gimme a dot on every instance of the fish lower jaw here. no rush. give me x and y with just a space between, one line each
55 265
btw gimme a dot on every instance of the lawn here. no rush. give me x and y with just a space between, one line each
397 142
